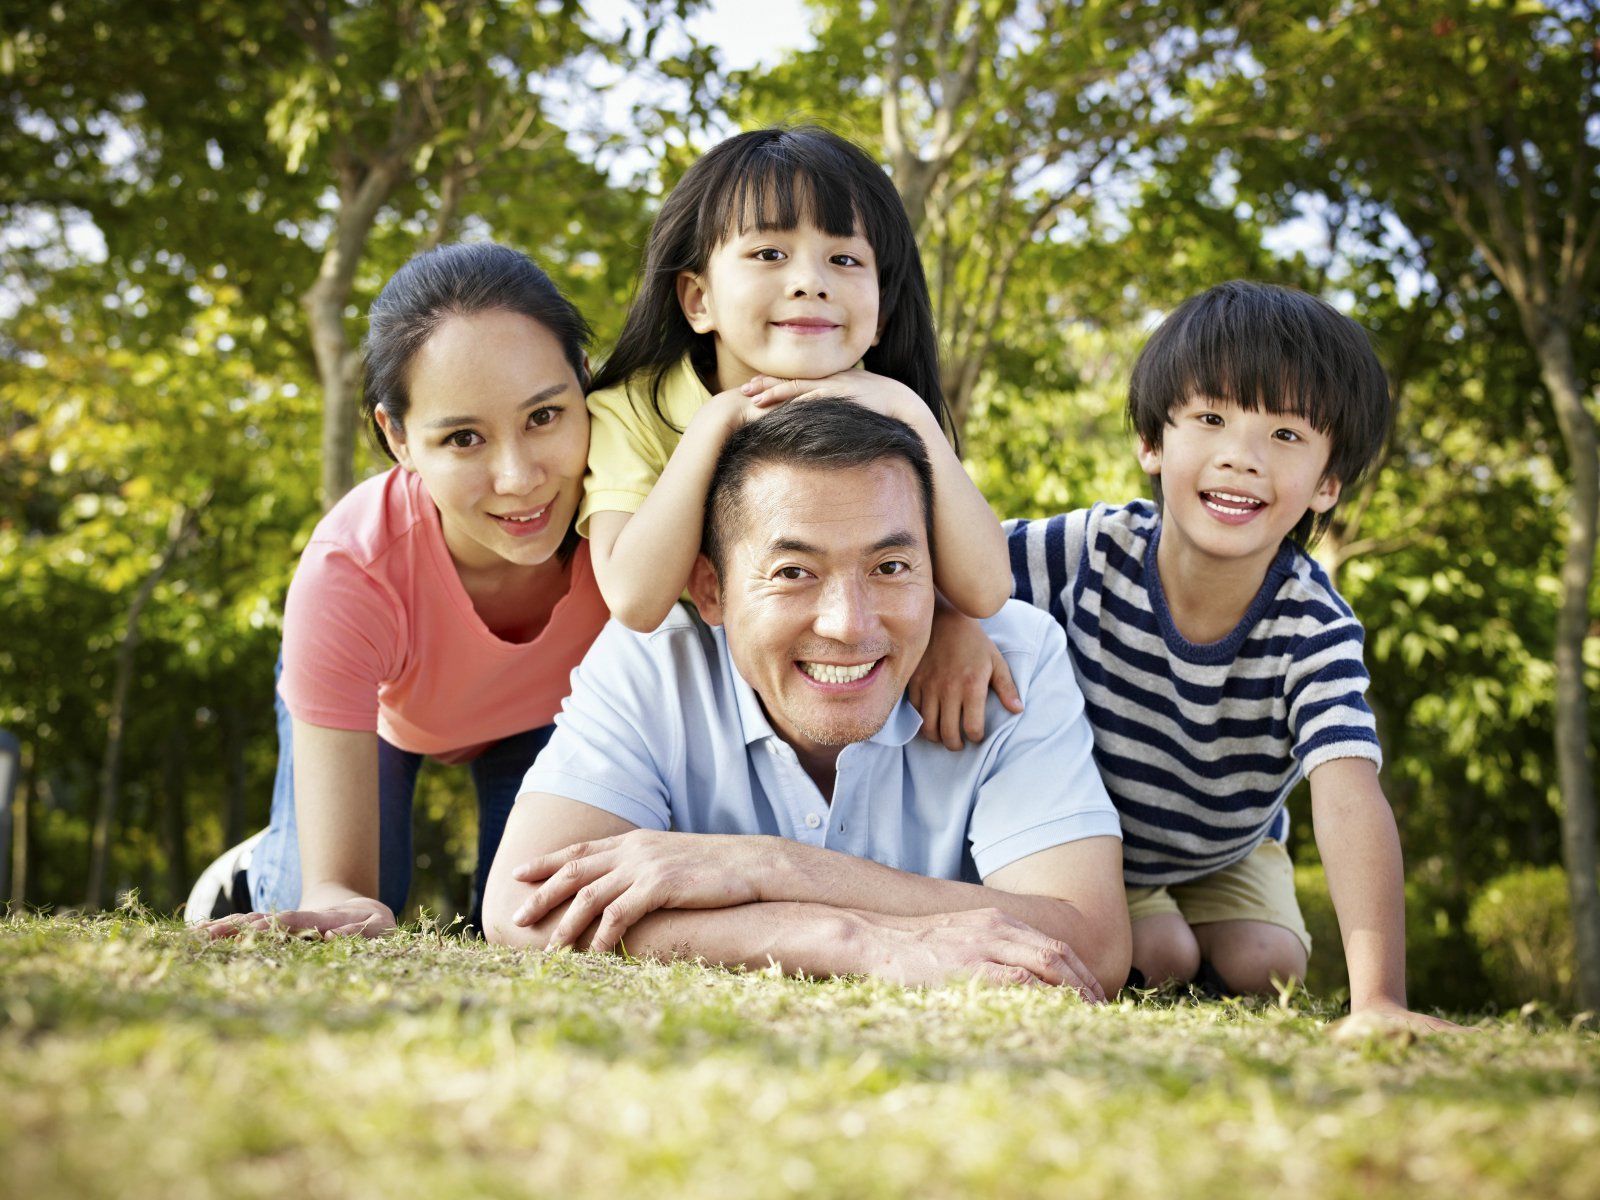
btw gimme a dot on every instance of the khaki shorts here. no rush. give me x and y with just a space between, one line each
1260 888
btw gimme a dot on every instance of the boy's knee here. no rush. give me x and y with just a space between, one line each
1258 958
1165 950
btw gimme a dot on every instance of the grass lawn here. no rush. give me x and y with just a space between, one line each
137 1062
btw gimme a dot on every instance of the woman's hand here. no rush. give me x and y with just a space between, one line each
877 392
951 685
368 918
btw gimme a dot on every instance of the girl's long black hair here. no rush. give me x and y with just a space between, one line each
776 178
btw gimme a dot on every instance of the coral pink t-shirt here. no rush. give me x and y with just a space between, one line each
379 633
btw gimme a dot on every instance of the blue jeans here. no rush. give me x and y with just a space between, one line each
496 774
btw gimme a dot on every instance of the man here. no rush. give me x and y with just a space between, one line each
780 712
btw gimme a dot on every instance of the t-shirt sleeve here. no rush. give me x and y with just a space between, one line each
614 734
626 452
342 637
1045 557
1041 788
1326 690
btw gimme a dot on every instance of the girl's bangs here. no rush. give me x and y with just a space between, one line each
770 190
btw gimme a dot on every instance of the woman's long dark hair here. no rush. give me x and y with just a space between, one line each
776 178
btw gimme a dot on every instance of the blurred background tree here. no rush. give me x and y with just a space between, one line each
192 232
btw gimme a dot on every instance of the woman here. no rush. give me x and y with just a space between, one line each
439 608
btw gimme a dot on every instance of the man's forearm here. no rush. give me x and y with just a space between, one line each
821 940
812 874
811 939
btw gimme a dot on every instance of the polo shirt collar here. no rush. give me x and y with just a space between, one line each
900 728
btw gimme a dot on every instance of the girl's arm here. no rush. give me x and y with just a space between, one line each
642 560
971 567
336 811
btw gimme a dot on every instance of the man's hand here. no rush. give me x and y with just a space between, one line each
984 944
950 686
619 880
369 919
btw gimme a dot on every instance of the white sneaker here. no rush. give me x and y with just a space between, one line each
224 887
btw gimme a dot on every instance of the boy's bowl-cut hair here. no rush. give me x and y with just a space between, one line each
1262 346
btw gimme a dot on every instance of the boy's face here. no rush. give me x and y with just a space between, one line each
1235 483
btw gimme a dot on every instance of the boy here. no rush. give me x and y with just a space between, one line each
1218 663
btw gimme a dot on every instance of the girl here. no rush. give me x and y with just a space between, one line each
439 608
781 261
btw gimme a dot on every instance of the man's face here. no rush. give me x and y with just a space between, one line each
826 596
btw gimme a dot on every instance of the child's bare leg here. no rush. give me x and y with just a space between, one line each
1165 949
1249 955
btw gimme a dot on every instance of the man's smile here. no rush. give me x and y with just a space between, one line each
839 675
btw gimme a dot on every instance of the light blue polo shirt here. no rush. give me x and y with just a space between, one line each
663 732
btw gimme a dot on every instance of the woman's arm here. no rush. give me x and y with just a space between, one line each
642 561
336 811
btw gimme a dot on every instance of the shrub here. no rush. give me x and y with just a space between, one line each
1522 924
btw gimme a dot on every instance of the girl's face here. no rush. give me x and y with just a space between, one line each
796 303
499 433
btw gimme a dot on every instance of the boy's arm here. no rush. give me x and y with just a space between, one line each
1360 851
642 561
950 687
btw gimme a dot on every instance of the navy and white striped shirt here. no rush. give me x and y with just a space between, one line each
1199 745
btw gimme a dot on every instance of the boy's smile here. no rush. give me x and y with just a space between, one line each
1234 483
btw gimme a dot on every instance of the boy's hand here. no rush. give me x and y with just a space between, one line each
951 684
1388 1018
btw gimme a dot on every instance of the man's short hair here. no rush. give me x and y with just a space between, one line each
831 432
1262 346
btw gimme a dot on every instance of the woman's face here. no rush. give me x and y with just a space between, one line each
499 433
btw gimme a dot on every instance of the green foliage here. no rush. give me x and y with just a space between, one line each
138 1062
1522 924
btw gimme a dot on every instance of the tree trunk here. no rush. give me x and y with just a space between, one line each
179 532
1575 769
338 364
20 807
174 817
233 738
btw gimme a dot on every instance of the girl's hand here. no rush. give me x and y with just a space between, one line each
951 684
731 409
371 919
877 392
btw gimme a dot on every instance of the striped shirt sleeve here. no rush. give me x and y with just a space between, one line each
1326 689
1045 559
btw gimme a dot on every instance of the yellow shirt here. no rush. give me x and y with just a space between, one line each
629 443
